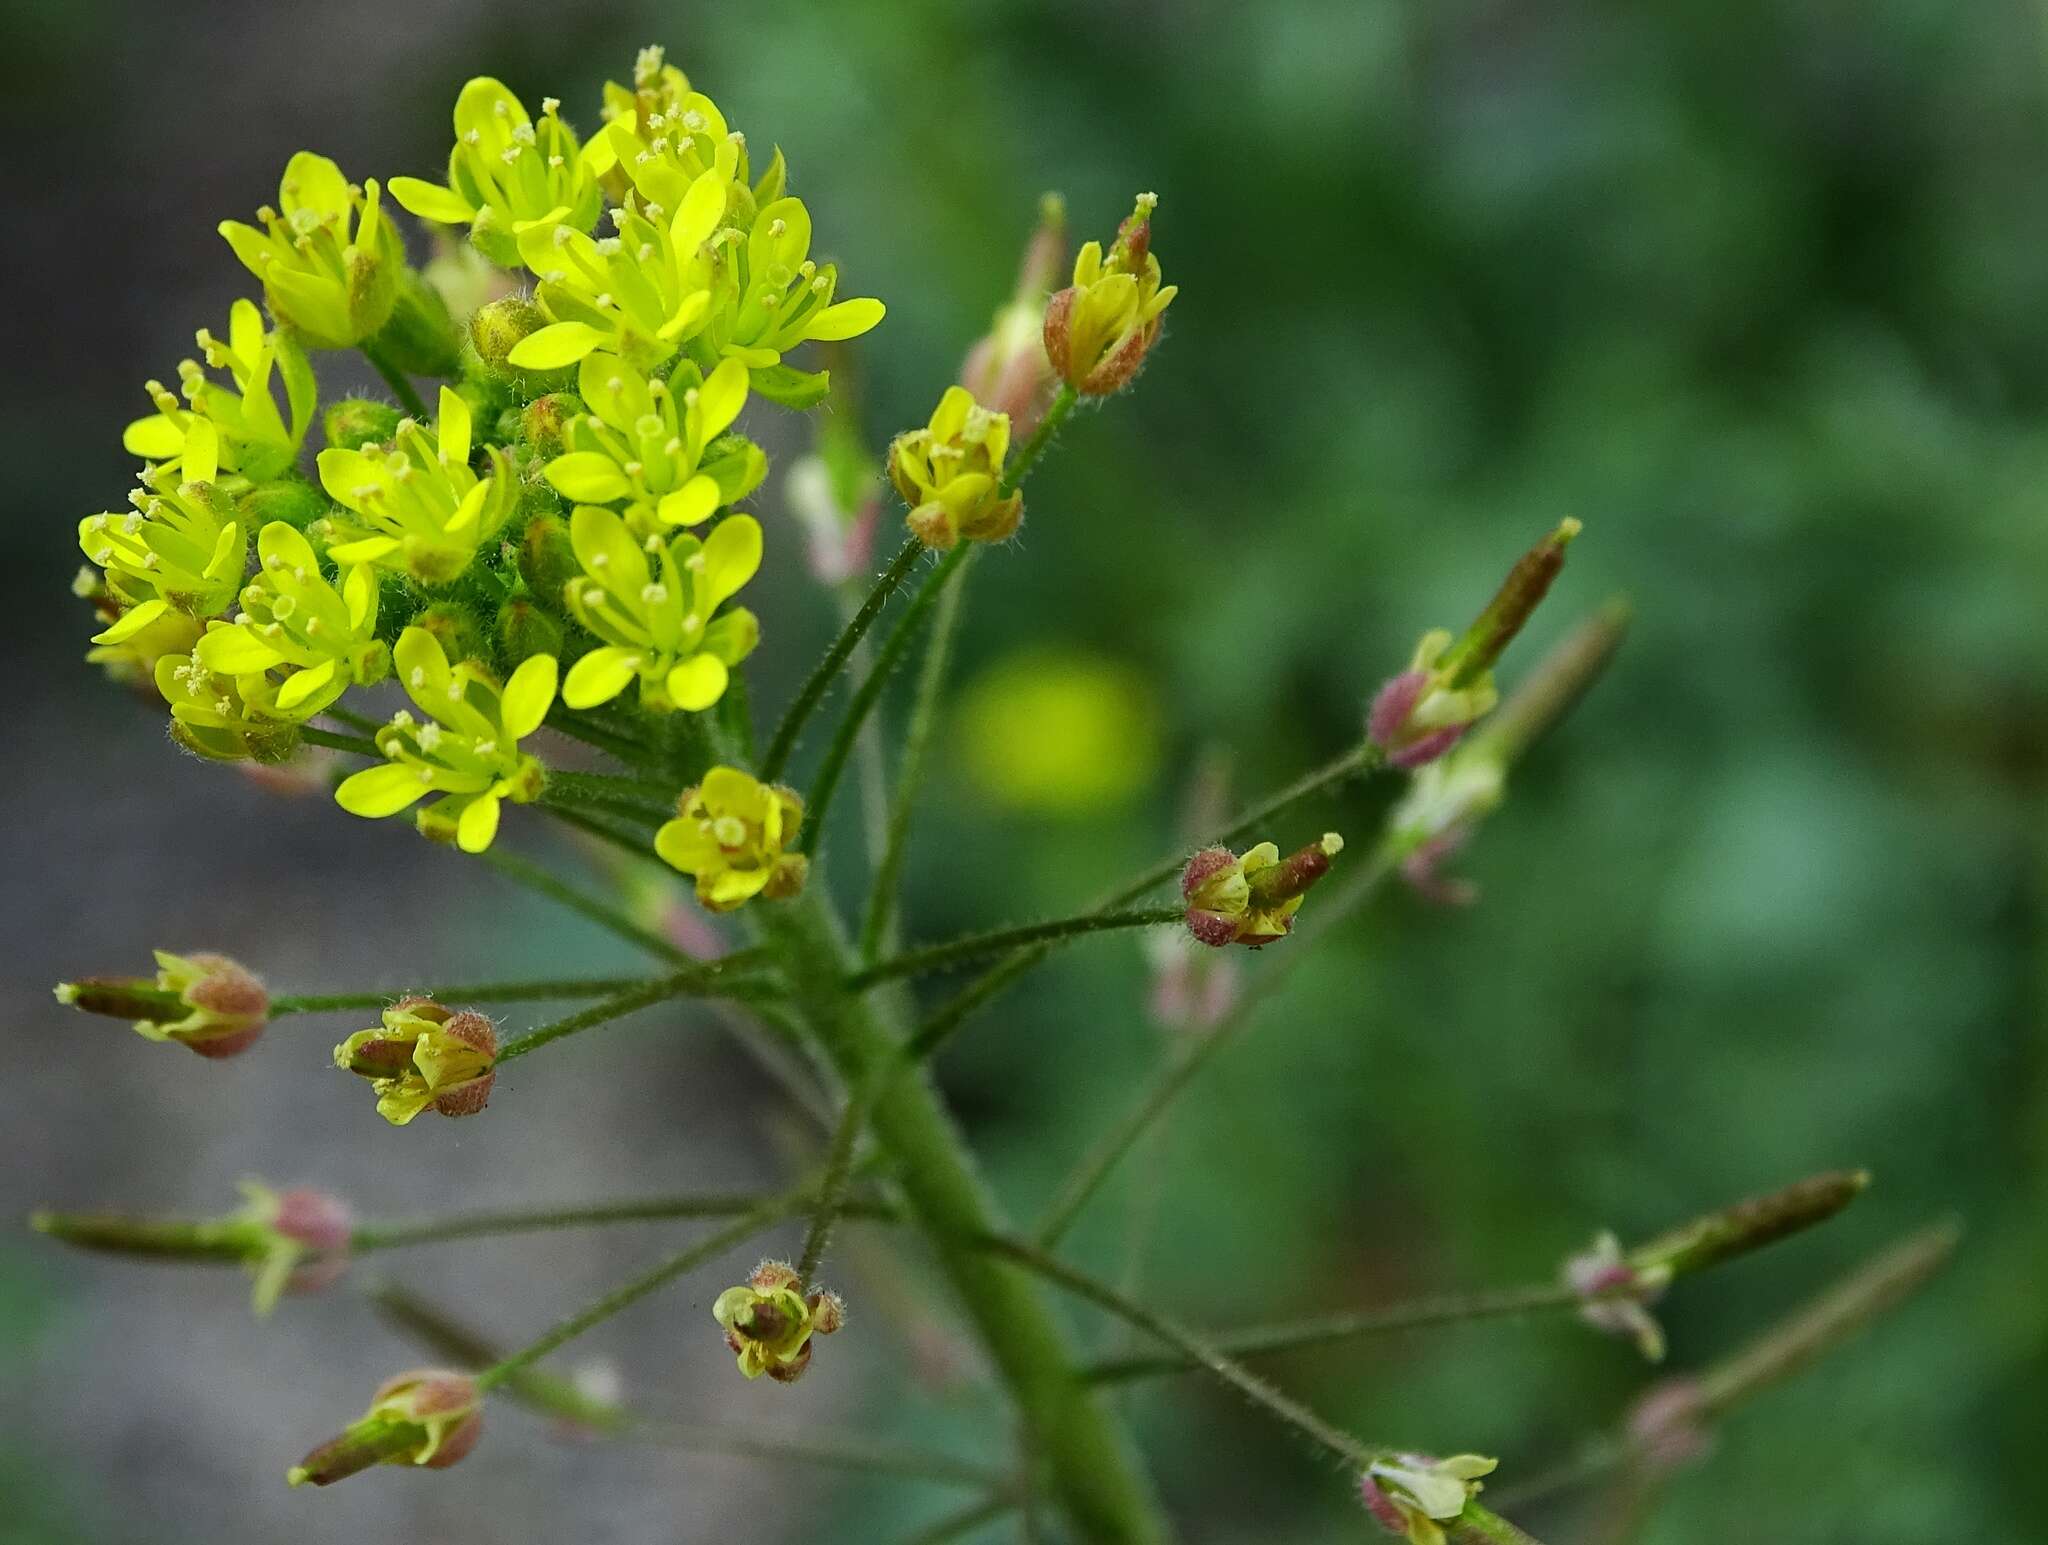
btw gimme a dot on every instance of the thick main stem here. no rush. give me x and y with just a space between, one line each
1090 1460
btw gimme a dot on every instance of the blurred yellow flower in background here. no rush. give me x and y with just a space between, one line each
1062 732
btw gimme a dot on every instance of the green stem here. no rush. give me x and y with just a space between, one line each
1158 1097
408 396
613 745
1330 1329
1089 1458
702 982
535 878
1027 457
1190 1346
655 799
832 1189
707 1249
869 693
358 744
632 844
958 1525
355 721
878 924
940 957
480 992
403 1233
813 691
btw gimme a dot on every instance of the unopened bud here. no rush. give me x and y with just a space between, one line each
494 331
292 500
206 1002
355 422
547 558
457 630
544 422
420 336
430 1417
1007 369
1099 329
524 630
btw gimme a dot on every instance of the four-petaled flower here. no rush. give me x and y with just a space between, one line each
420 507
254 438
330 262
769 1321
1099 329
950 473
644 441
424 1054
772 297
730 834
656 618
182 547
1412 1494
294 618
224 718
506 174
467 750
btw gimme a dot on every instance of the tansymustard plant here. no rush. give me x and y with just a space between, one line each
564 518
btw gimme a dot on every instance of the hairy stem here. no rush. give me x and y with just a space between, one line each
878 922
832 1189
358 745
940 957
869 693
699 982
479 992
1089 1459
401 388
813 691
1056 414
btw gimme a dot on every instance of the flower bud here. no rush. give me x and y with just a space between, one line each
839 524
292 500
547 558
1099 329
544 423
769 1322
355 422
206 1002
423 1055
524 630
950 474
1445 802
494 331
456 629
303 1239
1007 368
1421 713
1251 900
429 1416
420 337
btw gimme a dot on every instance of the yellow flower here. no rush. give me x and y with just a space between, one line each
330 262
419 507
254 438
424 1054
224 718
772 297
1098 329
769 1322
506 174
950 474
1412 1495
467 751
181 548
730 833
1251 899
658 623
644 442
294 619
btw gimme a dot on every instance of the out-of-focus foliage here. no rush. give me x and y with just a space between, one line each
1758 291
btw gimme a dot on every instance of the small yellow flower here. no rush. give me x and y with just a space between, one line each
131 661
1411 1496
254 438
417 505
644 443
294 619
772 297
657 619
182 547
950 474
1099 329
422 1055
730 833
330 261
769 1322
467 750
507 174
225 718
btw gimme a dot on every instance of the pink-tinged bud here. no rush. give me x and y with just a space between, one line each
430 1417
1615 1296
1099 329
1388 727
1007 369
205 1002
1381 1506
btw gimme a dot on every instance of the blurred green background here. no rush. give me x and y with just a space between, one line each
1756 290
